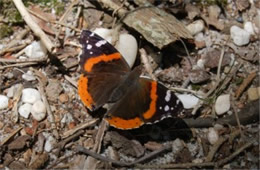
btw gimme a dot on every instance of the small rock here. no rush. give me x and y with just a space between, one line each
253 94
248 26
214 11
28 76
242 4
3 102
64 98
9 75
240 36
198 76
212 136
188 100
12 90
35 50
177 146
25 110
30 95
222 104
196 27
53 90
126 44
201 63
49 144
38 110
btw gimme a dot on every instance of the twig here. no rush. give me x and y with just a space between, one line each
62 144
79 127
18 65
183 90
214 149
71 81
34 27
11 60
92 162
53 22
16 99
15 41
15 48
220 63
79 148
114 6
65 15
178 165
236 115
245 83
146 63
46 103
227 80
234 154
10 136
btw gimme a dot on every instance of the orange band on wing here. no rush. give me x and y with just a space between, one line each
83 92
125 124
152 108
106 58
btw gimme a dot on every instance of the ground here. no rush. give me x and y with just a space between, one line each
205 52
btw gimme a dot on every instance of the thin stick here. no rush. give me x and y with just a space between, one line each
146 63
220 63
236 115
15 41
234 154
34 27
11 60
53 22
119 163
46 103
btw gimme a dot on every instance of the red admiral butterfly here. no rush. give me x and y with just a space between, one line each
107 78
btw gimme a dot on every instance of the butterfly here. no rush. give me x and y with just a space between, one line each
107 78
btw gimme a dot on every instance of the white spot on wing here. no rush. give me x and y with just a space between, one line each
168 96
177 102
166 108
89 46
92 34
160 107
171 108
90 52
100 43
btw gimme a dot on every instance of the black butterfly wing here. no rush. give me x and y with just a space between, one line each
103 67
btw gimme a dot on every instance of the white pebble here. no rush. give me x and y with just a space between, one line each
28 76
240 36
188 100
177 146
49 144
30 95
35 50
212 136
25 110
38 110
3 102
126 44
222 104
248 26
196 27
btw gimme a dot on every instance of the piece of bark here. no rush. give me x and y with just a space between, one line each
124 145
19 143
157 26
